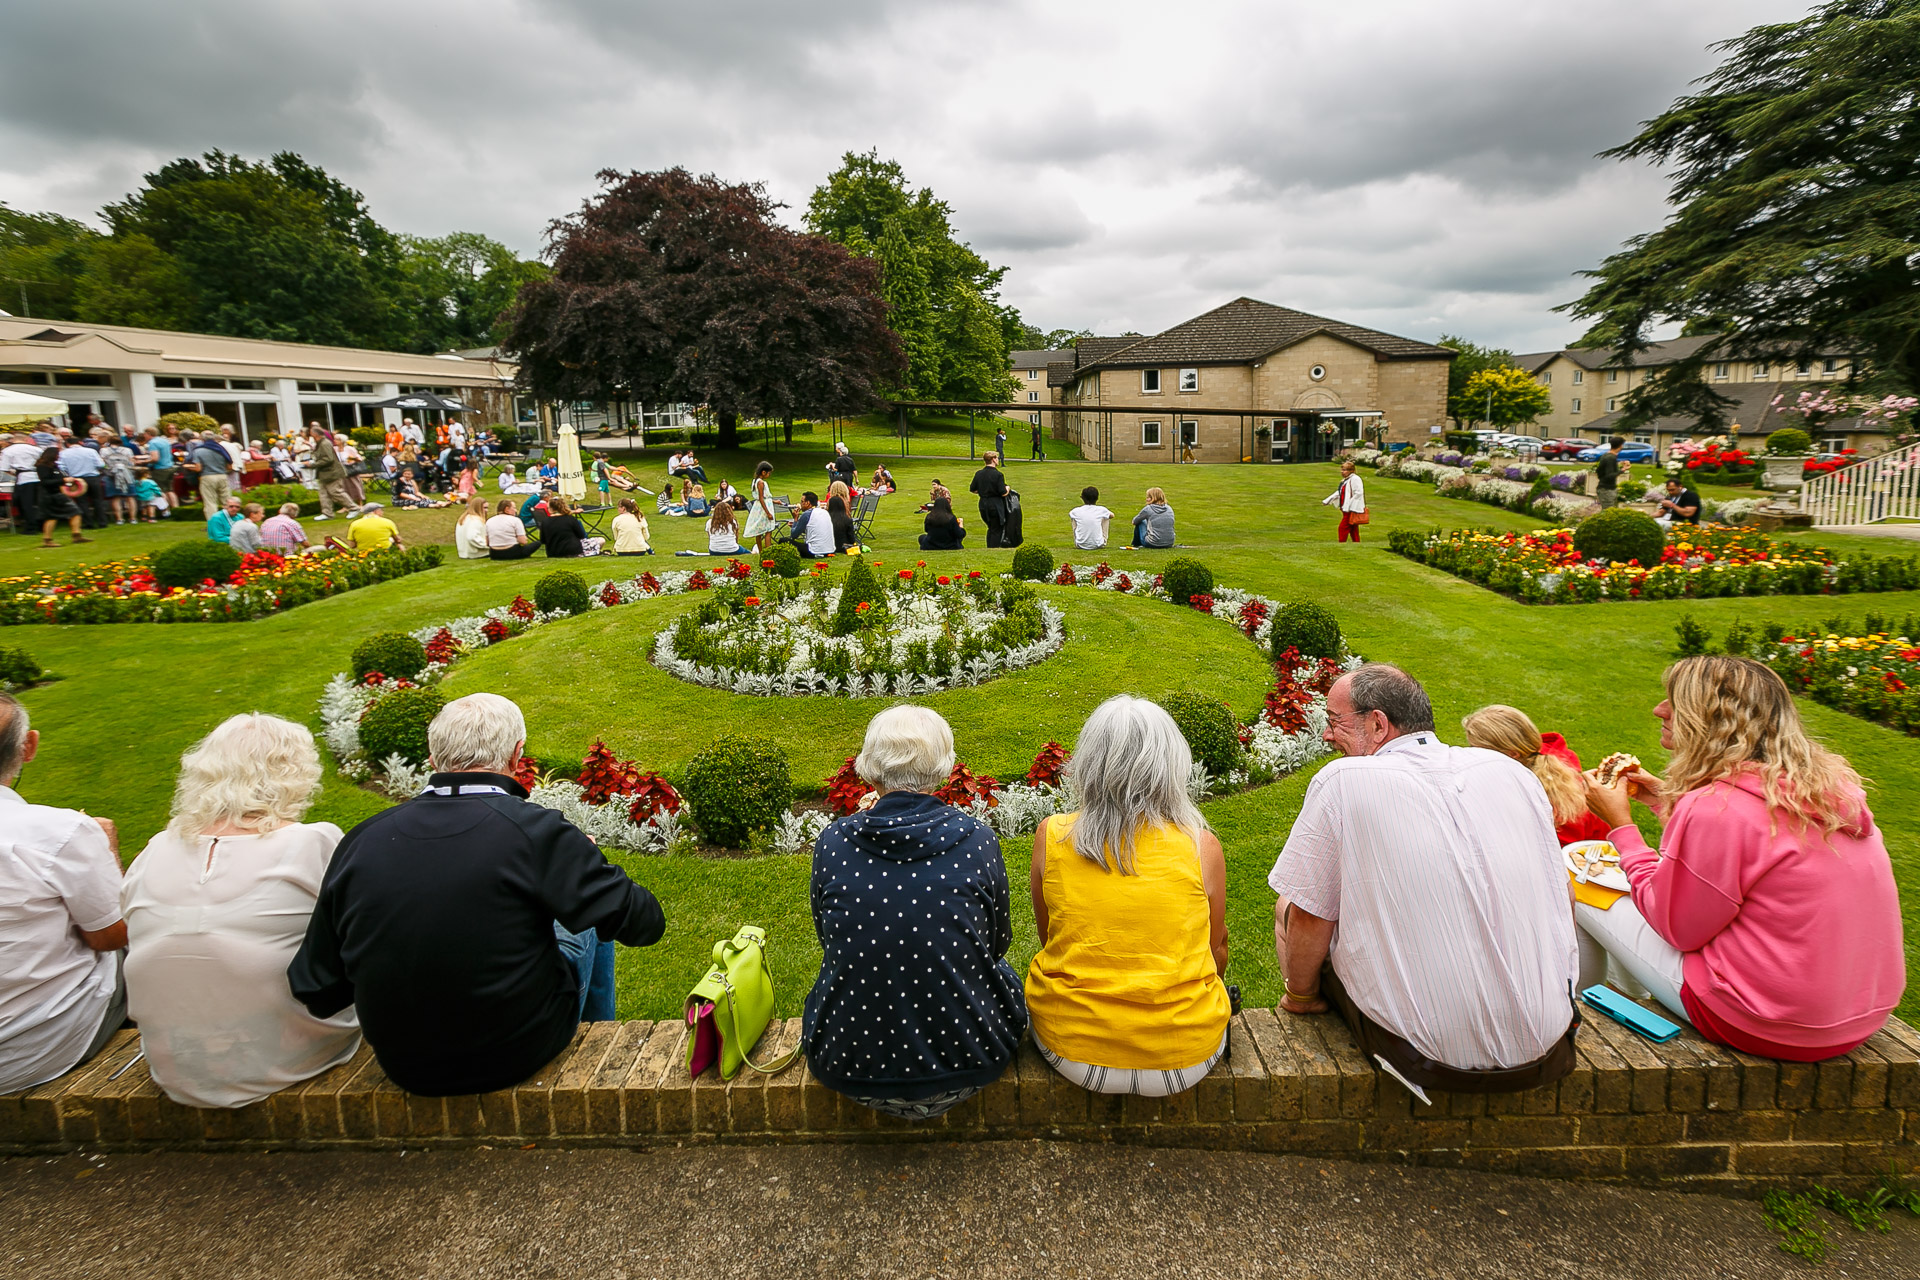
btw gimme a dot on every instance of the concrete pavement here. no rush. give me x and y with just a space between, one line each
989 1210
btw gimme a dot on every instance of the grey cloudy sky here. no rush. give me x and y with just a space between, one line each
1414 166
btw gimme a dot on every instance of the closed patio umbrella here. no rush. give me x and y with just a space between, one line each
573 480
22 406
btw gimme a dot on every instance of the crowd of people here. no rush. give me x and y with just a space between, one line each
1421 894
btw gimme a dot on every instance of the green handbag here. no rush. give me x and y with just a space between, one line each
728 1010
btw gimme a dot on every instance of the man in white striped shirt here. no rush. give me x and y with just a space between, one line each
1422 894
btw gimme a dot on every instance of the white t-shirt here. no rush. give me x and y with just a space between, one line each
1441 868
1089 526
412 433
819 533
723 541
470 537
20 460
504 532
457 433
57 877
212 924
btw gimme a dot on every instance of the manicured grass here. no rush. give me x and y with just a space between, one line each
134 697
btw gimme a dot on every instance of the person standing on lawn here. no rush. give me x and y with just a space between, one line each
329 472
1350 500
1039 453
471 930
212 465
991 487
79 462
20 458
760 520
1606 474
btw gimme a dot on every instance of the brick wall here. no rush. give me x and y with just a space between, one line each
1686 1112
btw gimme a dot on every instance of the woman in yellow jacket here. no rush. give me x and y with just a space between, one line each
1129 893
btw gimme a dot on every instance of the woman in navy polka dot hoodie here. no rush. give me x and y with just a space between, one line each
915 1008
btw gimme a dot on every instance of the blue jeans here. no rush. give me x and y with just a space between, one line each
592 960
1140 533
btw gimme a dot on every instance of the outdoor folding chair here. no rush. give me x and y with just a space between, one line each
537 454
864 512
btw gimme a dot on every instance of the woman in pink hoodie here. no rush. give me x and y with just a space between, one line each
1768 918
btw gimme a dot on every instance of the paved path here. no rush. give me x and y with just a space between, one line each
1911 532
1024 1210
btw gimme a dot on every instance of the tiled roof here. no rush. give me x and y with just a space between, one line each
1039 359
1089 350
1656 353
1752 410
1245 330
1060 373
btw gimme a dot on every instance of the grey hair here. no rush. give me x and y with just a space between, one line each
479 731
1387 689
13 738
255 771
907 748
1130 770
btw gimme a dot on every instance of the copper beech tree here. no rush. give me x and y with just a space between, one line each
676 289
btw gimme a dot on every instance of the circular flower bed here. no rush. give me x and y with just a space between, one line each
907 634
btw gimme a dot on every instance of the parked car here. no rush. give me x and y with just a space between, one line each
1632 451
1567 448
1519 442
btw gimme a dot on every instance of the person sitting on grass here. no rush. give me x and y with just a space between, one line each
216 907
723 534
470 531
812 531
507 534
282 532
845 537
220 523
373 531
562 534
1090 521
1130 902
945 531
664 504
695 500
882 481
1768 919
471 930
534 506
407 495
1509 731
244 535
1153 524
630 531
915 1008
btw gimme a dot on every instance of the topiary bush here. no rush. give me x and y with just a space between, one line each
188 564
1033 562
397 725
1209 729
1184 578
786 560
562 590
1620 535
1307 628
1790 441
861 587
738 786
18 667
392 653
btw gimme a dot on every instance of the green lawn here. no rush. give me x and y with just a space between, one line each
132 698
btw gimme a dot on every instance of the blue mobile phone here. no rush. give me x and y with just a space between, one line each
1630 1015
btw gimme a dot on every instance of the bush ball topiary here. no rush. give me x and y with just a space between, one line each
17 666
861 587
1620 535
562 590
1033 562
393 654
1789 441
1209 729
1307 628
188 564
738 786
397 725
1185 578
786 560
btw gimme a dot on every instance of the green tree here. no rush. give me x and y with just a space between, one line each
945 296
458 288
41 257
1463 406
128 279
1506 396
1796 181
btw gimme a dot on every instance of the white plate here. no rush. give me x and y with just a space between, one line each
1613 878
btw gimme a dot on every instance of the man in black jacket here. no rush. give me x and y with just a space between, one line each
471 929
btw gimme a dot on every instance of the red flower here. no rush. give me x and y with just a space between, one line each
862 607
698 582
651 794
973 573
766 564
374 678
753 602
649 584
609 594
1047 766
944 580
963 787
527 772
521 608
494 630
1066 576
906 575
845 789
443 647
604 775
920 564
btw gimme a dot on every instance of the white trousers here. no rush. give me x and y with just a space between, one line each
1622 934
1144 1081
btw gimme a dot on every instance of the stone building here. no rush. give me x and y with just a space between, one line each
1030 372
1247 382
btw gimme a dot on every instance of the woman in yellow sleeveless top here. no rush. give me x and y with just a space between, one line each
1129 893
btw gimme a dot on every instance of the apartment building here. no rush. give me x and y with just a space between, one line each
1030 372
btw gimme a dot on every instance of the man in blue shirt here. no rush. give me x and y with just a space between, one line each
212 463
157 454
82 463
220 523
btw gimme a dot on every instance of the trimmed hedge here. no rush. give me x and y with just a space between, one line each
188 564
393 654
736 787
1789 441
1184 578
1621 535
1209 728
861 587
1308 628
562 589
397 725
786 560
1033 562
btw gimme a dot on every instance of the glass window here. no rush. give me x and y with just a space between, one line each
1833 444
1546 379
1150 383
338 388
1189 379
1760 368
1189 433
1830 365
247 384
1613 375
1579 376
82 380
1032 374
171 383
1720 371
1612 404
23 377
1034 418
1576 406
360 388
314 386
1803 368
1150 435
207 384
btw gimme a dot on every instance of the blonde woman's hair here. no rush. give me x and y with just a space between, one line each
1731 715
838 489
1509 731
1157 494
255 771
721 517
1130 770
477 505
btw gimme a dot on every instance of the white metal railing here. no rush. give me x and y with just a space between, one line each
1875 489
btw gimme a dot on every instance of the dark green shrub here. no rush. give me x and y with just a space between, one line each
738 786
861 587
397 725
1621 535
1033 562
368 437
1790 441
187 564
560 590
1308 628
393 654
507 434
1209 729
17 666
786 560
1185 578
1692 639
